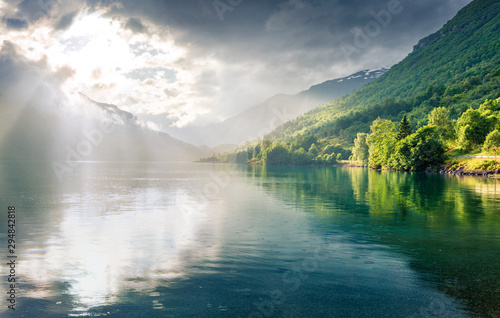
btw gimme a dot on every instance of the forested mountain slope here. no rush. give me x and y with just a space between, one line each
457 67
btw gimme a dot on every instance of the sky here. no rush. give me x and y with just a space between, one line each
196 62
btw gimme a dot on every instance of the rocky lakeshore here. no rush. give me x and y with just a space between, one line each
463 171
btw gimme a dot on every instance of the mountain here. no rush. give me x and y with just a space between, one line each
42 120
339 87
263 118
457 67
88 131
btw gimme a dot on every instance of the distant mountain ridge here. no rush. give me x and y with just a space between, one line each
96 132
263 118
338 87
456 67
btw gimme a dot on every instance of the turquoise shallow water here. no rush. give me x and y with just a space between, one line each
201 240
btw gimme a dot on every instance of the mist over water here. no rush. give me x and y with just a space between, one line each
198 240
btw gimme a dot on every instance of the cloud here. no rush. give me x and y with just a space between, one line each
267 47
15 23
180 59
25 82
135 25
65 21
33 10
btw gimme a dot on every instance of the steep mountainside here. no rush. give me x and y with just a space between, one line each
97 132
456 67
40 121
263 118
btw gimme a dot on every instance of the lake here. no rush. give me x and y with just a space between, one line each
206 240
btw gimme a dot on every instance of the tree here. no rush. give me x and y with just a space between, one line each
305 141
319 160
314 150
257 150
330 159
301 157
250 153
440 117
492 141
404 129
490 110
418 151
276 155
381 142
361 150
266 144
329 150
472 129
490 105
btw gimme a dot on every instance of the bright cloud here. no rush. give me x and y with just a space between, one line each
112 64
180 62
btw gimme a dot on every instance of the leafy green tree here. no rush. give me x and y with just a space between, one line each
319 160
381 142
305 141
330 159
266 144
492 141
404 129
361 150
440 117
301 157
472 129
490 109
490 105
250 153
419 151
257 150
329 150
314 150
276 155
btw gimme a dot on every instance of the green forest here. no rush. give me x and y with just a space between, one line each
441 99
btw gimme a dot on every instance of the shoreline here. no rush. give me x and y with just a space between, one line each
447 169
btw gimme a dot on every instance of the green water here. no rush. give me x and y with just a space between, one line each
201 240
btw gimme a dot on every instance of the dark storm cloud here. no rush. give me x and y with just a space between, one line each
252 49
298 34
284 46
305 33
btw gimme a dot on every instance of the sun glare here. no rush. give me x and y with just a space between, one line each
104 56
143 73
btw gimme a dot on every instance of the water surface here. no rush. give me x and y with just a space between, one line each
202 240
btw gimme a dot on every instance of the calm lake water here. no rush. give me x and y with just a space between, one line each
201 240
